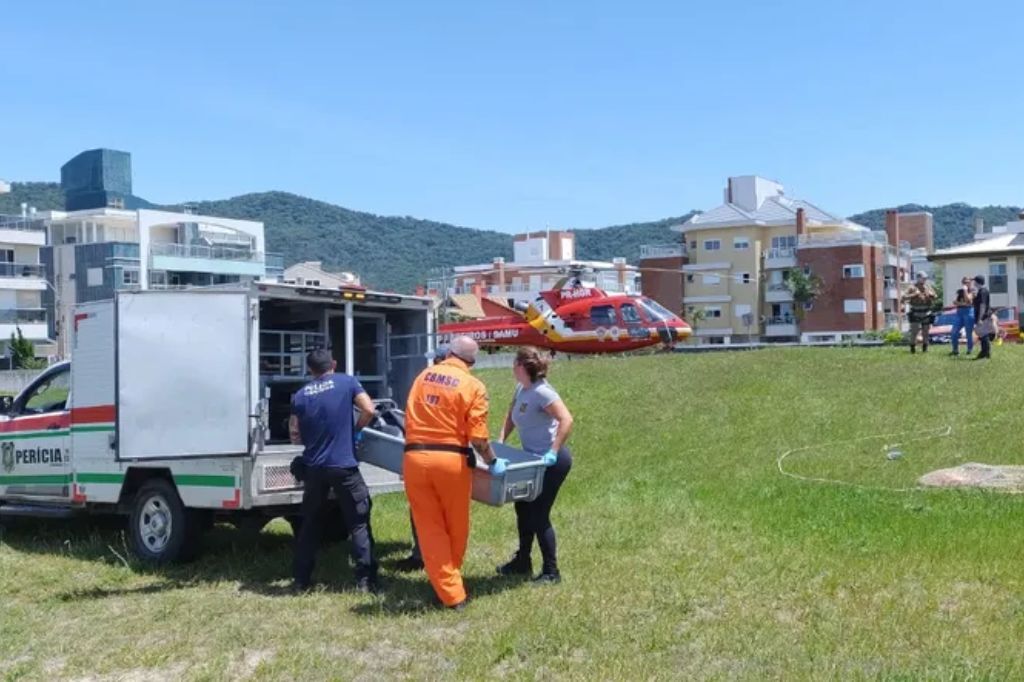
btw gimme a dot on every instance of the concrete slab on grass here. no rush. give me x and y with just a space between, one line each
1006 479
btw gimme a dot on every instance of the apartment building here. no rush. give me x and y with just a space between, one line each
540 261
107 239
997 253
740 256
23 283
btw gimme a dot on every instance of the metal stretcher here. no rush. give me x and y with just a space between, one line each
383 445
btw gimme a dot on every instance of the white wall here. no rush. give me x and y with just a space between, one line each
532 250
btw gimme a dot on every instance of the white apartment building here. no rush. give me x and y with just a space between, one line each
23 283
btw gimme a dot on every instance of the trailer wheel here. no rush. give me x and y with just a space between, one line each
162 530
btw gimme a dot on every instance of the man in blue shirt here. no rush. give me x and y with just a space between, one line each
322 420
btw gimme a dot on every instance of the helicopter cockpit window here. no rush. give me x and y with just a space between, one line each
629 313
602 315
655 309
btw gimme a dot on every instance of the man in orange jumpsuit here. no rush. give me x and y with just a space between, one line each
445 421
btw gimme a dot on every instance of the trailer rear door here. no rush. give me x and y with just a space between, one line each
183 374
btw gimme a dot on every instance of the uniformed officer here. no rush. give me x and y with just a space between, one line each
322 420
445 421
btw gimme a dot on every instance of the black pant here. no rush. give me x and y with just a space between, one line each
354 500
534 518
986 346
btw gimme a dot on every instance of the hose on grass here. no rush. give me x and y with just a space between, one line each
906 437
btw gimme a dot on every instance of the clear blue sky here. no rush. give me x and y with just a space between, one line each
513 115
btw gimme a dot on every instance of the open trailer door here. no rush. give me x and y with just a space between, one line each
183 375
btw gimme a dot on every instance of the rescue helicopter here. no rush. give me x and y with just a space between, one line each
576 318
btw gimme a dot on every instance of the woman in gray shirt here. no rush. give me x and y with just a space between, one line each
544 424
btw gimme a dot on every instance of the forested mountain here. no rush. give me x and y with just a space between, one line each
392 252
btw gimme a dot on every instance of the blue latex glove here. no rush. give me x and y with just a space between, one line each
549 458
498 466
358 437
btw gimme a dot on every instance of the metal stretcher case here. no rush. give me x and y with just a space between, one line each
383 445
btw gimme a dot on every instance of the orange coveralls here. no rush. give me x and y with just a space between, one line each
447 408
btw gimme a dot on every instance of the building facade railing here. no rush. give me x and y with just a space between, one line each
662 250
23 315
211 252
22 270
780 252
18 222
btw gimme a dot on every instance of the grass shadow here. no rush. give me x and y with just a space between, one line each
406 594
257 562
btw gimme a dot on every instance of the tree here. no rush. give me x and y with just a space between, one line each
23 353
695 316
805 287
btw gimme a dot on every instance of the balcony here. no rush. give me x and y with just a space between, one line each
22 230
31 322
30 276
781 325
218 260
778 293
775 259
662 250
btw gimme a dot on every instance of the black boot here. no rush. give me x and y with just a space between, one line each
518 565
913 348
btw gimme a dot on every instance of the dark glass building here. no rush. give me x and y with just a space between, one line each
99 178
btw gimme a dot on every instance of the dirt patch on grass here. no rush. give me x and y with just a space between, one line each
250 662
171 672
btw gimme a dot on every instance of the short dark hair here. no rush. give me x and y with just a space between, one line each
319 361
980 279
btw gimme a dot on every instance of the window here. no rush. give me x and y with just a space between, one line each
745 277
742 310
693 246
94 277
712 312
49 395
602 315
997 276
6 255
787 242
313 282
130 278
855 271
855 305
629 313
689 279
740 243
712 244
712 280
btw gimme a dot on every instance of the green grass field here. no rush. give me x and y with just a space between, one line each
685 553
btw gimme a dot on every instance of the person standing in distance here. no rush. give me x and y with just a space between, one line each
964 302
445 421
322 420
544 424
921 297
983 318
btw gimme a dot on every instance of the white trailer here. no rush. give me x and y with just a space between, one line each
173 410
